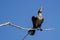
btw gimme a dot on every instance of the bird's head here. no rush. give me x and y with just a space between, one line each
40 10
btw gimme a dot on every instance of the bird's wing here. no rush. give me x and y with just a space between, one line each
34 21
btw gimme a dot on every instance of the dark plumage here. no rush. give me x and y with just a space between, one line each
37 22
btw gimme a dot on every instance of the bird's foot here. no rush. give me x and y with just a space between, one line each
41 29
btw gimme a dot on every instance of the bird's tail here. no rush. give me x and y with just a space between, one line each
31 32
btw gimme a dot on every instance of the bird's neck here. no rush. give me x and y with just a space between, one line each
40 16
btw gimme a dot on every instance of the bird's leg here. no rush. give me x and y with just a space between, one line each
41 29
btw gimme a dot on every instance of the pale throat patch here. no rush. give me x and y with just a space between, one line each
40 16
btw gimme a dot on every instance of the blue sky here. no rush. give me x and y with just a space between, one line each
20 12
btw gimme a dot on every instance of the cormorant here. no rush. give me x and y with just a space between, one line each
37 22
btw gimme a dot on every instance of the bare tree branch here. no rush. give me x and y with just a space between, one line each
11 24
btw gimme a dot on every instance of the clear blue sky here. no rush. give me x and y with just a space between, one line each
20 12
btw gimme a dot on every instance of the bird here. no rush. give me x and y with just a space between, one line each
37 22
